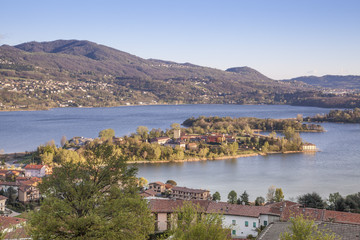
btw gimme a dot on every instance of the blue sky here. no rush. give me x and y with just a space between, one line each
281 39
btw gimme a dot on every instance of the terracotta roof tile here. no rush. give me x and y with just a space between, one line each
6 222
30 166
158 183
191 190
168 205
239 210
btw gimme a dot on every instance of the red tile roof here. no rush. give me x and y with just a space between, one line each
158 183
3 197
6 222
190 190
148 193
30 166
239 210
168 205
289 209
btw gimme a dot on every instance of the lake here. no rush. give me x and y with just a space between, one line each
334 169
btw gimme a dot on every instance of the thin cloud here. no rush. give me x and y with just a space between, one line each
312 72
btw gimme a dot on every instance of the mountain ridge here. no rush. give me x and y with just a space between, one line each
83 73
330 81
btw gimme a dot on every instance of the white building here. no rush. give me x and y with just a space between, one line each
242 220
35 170
2 203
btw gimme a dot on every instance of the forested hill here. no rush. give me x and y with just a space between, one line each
331 81
40 75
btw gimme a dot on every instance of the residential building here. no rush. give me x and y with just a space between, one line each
148 193
2 203
309 147
35 170
288 209
243 220
175 144
164 211
28 193
185 193
177 133
215 138
6 185
160 140
192 146
158 187
13 228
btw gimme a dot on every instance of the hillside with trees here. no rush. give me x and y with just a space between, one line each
339 116
331 81
73 73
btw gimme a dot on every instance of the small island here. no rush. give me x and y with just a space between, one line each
203 138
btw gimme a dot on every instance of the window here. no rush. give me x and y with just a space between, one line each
233 232
265 223
246 223
254 224
233 222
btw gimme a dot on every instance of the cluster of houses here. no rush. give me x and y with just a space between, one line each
24 185
190 141
244 220
24 182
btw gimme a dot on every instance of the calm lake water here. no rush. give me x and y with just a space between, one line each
334 169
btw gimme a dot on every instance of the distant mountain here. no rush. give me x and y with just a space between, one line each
61 73
331 81
255 75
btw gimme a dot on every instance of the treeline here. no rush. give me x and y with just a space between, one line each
238 125
136 148
349 203
344 116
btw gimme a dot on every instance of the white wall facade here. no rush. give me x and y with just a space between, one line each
35 172
238 226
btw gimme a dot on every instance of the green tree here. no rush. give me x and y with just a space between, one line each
279 195
216 196
304 229
233 148
171 182
270 196
333 198
63 141
265 147
143 132
175 126
192 224
232 197
107 134
289 133
259 201
244 198
311 200
94 199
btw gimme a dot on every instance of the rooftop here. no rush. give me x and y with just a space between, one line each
190 190
30 166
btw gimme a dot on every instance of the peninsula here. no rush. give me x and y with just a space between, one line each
203 138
